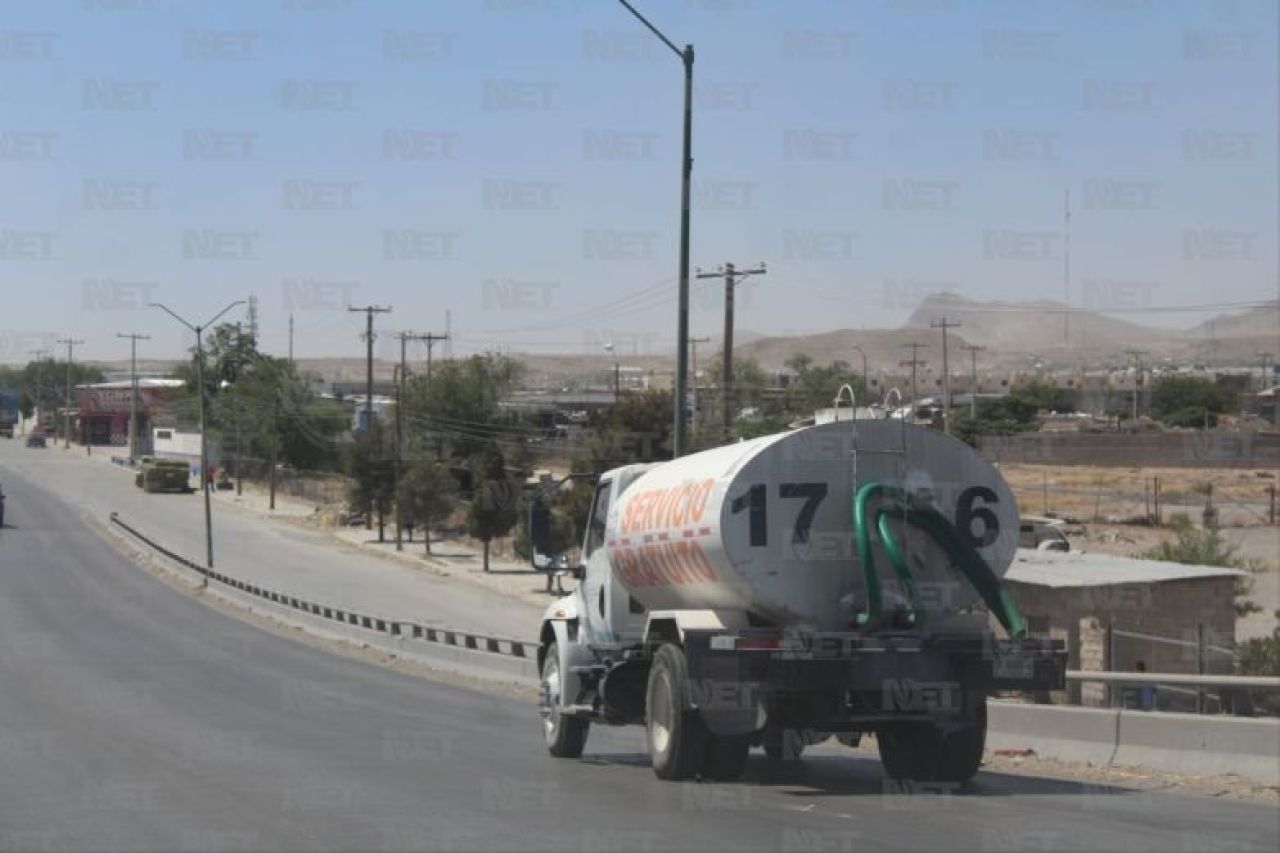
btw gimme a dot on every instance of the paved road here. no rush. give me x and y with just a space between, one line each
305 562
133 717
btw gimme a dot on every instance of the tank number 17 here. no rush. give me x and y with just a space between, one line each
753 502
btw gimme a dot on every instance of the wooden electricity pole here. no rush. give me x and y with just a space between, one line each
731 276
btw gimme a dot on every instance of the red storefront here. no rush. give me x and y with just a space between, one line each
103 409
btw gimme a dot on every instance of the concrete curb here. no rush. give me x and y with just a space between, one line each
461 652
1054 731
1193 744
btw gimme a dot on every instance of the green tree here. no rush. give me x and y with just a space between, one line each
1260 655
43 384
1205 547
494 500
816 387
1035 396
1013 413
372 471
1190 401
636 429
569 504
425 496
457 411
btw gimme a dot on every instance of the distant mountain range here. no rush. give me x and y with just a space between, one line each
1012 334
1021 333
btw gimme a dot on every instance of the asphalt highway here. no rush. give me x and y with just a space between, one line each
304 561
135 717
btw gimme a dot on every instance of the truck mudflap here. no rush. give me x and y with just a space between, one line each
849 681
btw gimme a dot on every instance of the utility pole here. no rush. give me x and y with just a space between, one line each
617 373
1066 266
369 311
731 277
693 378
913 363
1264 358
40 356
1137 355
133 338
686 178
66 429
401 428
431 341
866 385
973 349
291 339
945 324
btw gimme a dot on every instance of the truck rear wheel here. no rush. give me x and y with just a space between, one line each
566 736
962 747
930 752
677 736
784 744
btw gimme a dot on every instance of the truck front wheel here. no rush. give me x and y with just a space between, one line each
677 737
566 736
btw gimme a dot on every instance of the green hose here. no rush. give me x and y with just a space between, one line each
943 532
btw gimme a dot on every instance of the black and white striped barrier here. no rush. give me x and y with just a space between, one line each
461 651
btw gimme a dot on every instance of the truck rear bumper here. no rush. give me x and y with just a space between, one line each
850 681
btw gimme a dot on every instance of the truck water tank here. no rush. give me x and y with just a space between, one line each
766 526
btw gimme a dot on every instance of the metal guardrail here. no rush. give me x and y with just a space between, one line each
524 649
1259 682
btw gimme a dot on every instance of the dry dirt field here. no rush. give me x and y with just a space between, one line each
1098 499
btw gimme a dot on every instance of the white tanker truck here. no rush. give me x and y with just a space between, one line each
838 580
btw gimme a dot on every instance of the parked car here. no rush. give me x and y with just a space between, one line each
36 440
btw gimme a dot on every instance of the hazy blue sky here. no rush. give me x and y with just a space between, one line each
517 162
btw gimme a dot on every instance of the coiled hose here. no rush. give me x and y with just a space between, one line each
897 507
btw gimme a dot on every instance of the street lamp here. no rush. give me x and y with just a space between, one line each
204 427
686 175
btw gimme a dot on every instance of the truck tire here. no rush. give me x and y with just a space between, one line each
784 745
726 757
929 752
566 736
962 747
909 750
677 736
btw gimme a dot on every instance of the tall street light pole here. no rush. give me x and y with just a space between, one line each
66 418
133 338
686 176
204 425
